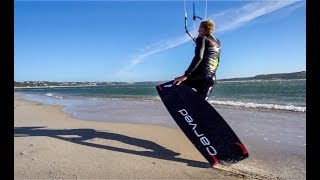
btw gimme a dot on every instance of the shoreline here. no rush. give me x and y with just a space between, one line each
50 144
127 103
215 105
58 140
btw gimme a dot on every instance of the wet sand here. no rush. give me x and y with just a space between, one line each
50 144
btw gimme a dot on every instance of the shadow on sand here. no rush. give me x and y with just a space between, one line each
80 136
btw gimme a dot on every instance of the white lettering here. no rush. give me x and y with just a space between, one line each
188 119
214 151
183 112
203 139
194 126
199 135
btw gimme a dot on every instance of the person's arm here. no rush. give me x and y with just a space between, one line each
200 46
198 56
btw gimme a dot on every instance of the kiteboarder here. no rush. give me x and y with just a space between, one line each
201 74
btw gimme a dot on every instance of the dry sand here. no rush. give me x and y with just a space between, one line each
50 144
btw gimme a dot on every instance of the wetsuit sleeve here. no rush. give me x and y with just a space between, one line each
199 50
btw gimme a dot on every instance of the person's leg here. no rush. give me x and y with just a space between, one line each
206 91
206 88
203 87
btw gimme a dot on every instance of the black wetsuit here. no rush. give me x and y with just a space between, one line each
202 70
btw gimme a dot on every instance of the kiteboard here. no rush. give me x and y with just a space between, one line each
202 124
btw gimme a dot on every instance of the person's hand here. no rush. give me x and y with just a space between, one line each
179 79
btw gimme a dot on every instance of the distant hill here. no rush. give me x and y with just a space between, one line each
30 84
284 76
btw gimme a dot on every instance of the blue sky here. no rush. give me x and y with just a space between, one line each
146 41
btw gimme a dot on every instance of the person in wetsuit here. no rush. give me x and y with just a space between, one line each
201 74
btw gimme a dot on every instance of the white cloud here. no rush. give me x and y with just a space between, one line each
153 49
227 20
235 18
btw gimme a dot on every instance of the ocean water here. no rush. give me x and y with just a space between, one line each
287 95
268 116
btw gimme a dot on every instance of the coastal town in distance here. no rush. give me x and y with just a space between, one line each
277 76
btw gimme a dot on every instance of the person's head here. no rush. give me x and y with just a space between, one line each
206 28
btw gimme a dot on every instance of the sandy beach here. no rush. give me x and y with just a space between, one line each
50 144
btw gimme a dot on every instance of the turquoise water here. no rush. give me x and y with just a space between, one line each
287 95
